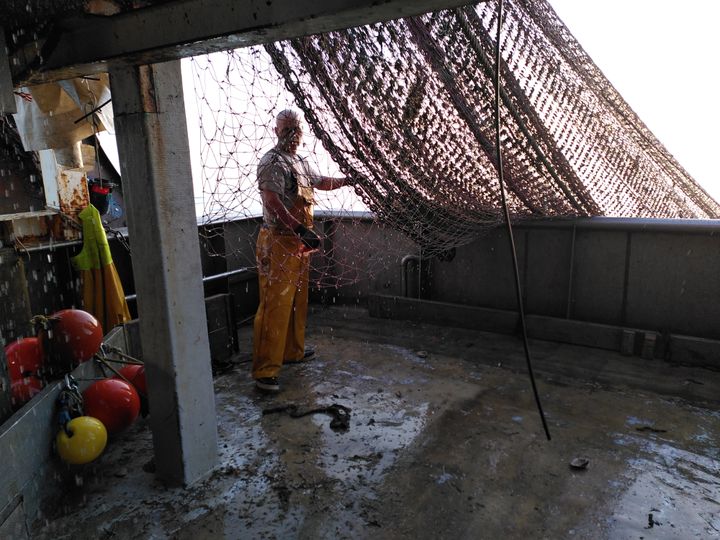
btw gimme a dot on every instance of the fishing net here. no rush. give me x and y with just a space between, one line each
407 108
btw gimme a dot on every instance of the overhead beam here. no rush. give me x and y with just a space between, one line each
185 28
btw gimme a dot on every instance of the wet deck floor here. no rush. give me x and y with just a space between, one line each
446 443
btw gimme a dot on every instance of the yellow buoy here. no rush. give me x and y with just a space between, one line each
86 442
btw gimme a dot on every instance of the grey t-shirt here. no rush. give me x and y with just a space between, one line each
285 174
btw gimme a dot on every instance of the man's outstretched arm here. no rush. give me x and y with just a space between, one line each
328 183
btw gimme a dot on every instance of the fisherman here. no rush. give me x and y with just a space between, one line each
285 242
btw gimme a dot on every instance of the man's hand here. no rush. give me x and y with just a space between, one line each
329 183
308 237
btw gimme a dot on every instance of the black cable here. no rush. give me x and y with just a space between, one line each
521 309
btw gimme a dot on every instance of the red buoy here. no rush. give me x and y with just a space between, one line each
25 359
135 373
112 401
23 390
75 335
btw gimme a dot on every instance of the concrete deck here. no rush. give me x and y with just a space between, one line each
444 442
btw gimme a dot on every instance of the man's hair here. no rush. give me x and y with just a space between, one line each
288 115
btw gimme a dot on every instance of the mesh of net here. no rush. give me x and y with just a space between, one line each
407 108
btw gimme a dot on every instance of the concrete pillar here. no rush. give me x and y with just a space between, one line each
157 183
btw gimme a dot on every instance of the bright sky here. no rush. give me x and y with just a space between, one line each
662 56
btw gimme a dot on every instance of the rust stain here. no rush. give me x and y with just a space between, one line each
49 228
56 227
30 240
39 232
62 230
147 89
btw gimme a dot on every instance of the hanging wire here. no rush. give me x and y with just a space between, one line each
94 109
506 212
94 123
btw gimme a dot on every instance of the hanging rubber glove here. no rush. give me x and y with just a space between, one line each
308 237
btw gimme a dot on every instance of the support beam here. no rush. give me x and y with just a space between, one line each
185 28
155 165
7 98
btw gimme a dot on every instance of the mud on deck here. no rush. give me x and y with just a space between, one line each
444 442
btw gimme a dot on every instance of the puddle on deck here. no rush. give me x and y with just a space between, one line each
672 493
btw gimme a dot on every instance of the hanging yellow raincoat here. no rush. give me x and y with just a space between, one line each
103 294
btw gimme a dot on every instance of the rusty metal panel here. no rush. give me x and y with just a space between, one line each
66 194
73 196
72 191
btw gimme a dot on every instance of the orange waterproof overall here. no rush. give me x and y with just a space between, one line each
279 331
